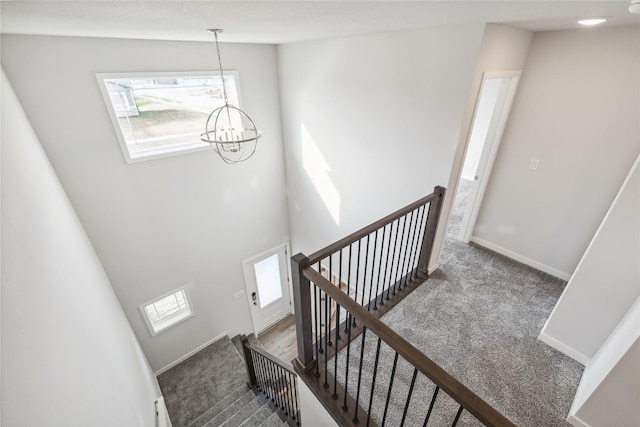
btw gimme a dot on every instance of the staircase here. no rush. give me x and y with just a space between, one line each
211 389
242 407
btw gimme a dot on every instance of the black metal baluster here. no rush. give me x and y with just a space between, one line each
412 252
384 274
337 308
295 398
348 318
346 373
455 421
283 400
433 401
366 265
355 296
292 403
403 275
393 256
373 267
272 383
384 232
393 376
398 264
373 380
335 357
265 380
259 373
364 333
406 405
284 390
326 334
327 298
278 371
318 316
316 298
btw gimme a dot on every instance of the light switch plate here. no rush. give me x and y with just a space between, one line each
533 165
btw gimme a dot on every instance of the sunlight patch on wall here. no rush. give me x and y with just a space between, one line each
317 168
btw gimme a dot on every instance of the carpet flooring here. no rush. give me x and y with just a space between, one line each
197 384
478 317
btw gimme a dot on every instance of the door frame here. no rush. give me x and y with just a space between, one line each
489 149
249 274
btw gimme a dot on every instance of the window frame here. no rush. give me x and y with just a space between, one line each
159 152
171 320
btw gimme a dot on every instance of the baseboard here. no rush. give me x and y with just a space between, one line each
575 421
188 355
520 258
563 348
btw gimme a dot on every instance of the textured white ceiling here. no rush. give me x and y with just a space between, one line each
288 21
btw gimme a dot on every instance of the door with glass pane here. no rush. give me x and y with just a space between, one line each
266 277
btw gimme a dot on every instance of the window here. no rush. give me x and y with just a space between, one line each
161 114
167 311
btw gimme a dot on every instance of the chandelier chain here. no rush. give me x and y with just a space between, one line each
224 86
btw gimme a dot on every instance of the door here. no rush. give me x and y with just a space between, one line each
266 278
490 118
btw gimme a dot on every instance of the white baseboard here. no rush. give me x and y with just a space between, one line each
520 258
552 342
188 355
574 421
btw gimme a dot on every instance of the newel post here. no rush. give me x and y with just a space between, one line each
248 359
302 306
435 208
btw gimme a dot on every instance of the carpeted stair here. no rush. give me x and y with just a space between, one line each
210 389
241 408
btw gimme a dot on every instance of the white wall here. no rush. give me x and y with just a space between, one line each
69 357
609 389
370 123
164 223
606 281
576 110
312 412
503 49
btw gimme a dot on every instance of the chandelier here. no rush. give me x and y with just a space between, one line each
230 131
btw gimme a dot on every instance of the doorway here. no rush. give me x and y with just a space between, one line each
490 118
266 278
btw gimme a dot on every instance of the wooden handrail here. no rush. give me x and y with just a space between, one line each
355 236
454 388
281 363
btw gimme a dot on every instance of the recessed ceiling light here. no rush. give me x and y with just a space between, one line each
592 21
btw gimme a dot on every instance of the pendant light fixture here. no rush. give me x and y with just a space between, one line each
230 131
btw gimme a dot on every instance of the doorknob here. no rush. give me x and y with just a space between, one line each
254 297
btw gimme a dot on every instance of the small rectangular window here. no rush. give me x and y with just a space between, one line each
167 311
161 114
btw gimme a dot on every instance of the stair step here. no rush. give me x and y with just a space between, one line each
230 410
244 413
273 421
258 417
205 417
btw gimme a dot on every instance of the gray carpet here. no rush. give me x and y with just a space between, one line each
478 317
198 383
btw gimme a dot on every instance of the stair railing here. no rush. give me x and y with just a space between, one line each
358 368
274 378
376 266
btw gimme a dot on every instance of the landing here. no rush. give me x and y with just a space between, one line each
479 317
198 383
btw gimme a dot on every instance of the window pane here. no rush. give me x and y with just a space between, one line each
156 115
268 280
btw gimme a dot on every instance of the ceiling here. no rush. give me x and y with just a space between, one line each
289 21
